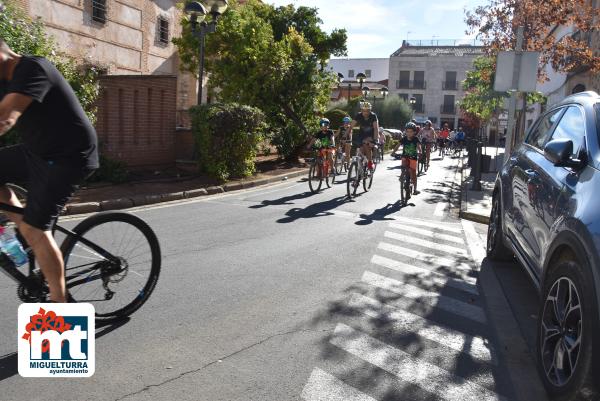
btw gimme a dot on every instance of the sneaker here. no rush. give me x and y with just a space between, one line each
415 192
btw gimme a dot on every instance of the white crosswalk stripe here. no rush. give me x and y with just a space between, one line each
453 228
426 244
409 369
433 299
426 276
427 233
431 255
406 322
425 257
322 386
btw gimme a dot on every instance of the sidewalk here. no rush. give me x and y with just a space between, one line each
477 205
122 196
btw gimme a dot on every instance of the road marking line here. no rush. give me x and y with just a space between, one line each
427 233
408 323
429 377
426 244
425 257
434 299
322 386
426 276
477 247
453 228
440 209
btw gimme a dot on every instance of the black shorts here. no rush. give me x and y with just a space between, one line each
49 183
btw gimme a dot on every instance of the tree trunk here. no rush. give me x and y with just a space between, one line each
294 156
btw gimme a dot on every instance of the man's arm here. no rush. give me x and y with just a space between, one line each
11 108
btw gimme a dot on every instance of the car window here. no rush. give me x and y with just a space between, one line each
572 126
539 135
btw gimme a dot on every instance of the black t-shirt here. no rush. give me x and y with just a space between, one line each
410 147
326 138
365 125
54 126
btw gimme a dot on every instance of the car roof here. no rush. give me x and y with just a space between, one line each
588 97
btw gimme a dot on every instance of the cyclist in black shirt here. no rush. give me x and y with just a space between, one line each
368 125
58 150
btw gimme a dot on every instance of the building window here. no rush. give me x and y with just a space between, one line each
350 73
419 81
451 82
163 30
99 11
368 73
448 107
403 96
419 107
578 88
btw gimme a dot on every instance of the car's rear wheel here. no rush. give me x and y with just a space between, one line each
496 250
565 331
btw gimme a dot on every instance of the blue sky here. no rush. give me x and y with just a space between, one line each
376 28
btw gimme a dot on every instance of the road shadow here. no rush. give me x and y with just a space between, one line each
380 214
319 209
285 200
9 365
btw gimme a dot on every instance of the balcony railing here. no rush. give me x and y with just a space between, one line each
419 108
448 109
400 84
450 85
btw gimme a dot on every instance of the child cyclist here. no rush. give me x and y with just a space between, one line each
344 137
411 150
324 139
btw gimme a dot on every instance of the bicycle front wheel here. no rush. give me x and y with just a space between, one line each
116 288
314 178
352 181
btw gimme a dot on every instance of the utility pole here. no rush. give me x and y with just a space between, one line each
512 105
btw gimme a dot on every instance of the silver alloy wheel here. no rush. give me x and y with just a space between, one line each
561 332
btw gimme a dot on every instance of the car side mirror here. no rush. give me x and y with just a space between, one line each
559 151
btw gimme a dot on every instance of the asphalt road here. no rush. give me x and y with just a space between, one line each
277 294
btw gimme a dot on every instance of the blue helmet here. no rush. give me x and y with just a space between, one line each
347 120
324 121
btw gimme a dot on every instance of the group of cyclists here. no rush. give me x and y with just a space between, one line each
416 141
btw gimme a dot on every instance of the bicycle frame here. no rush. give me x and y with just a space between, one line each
27 280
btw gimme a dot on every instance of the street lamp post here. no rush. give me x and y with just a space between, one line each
200 28
361 77
365 91
412 101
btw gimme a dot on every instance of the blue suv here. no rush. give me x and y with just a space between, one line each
544 213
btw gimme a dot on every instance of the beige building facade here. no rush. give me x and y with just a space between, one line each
433 75
122 37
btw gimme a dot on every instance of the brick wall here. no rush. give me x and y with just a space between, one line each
136 119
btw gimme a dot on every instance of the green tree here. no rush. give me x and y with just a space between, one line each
481 101
26 36
277 70
393 112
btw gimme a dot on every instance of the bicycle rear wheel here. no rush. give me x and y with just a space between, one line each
339 163
314 179
352 180
115 288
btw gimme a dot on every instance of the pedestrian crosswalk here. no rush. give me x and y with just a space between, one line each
416 316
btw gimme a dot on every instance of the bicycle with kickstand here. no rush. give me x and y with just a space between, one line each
112 260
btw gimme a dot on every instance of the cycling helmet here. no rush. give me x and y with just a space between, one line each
381 130
411 125
347 120
428 122
324 121
365 106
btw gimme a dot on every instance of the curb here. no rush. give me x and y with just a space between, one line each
463 214
144 200
477 218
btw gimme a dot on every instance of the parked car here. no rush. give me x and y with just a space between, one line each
545 213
